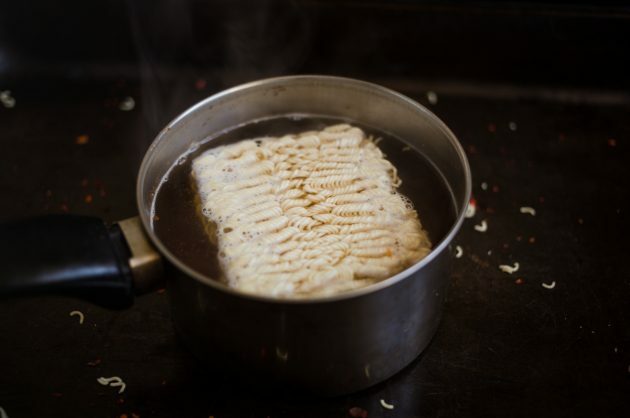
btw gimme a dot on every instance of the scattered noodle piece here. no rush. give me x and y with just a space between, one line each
529 210
482 227
315 213
459 252
549 286
471 209
386 405
79 314
127 104
113 381
6 99
509 269
3 414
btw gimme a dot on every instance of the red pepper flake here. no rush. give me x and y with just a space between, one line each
82 139
531 240
519 281
492 127
495 189
200 84
57 394
162 290
88 198
124 416
120 401
357 412
64 208
94 363
84 182
612 142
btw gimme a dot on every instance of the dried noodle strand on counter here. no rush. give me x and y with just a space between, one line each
309 214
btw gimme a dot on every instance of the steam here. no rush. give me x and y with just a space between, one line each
222 42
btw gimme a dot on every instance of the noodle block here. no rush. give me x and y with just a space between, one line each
311 214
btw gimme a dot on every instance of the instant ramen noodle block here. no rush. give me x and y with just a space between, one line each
311 214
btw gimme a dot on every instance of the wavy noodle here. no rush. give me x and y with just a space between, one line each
309 214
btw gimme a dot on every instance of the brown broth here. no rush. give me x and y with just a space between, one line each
178 225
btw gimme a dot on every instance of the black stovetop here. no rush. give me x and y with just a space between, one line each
507 345
537 93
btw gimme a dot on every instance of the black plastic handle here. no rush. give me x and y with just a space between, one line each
66 255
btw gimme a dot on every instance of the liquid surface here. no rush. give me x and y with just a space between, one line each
177 223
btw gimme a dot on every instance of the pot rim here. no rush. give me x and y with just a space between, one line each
445 242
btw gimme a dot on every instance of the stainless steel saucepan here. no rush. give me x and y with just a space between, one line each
326 345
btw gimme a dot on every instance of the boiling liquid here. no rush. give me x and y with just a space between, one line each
177 220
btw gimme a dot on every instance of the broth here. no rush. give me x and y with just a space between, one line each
178 225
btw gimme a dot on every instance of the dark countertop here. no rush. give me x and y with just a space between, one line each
506 346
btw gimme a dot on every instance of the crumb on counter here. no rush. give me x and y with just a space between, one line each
127 104
356 412
6 99
201 84
471 209
82 139
432 97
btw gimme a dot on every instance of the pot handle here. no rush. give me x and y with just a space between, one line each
77 256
